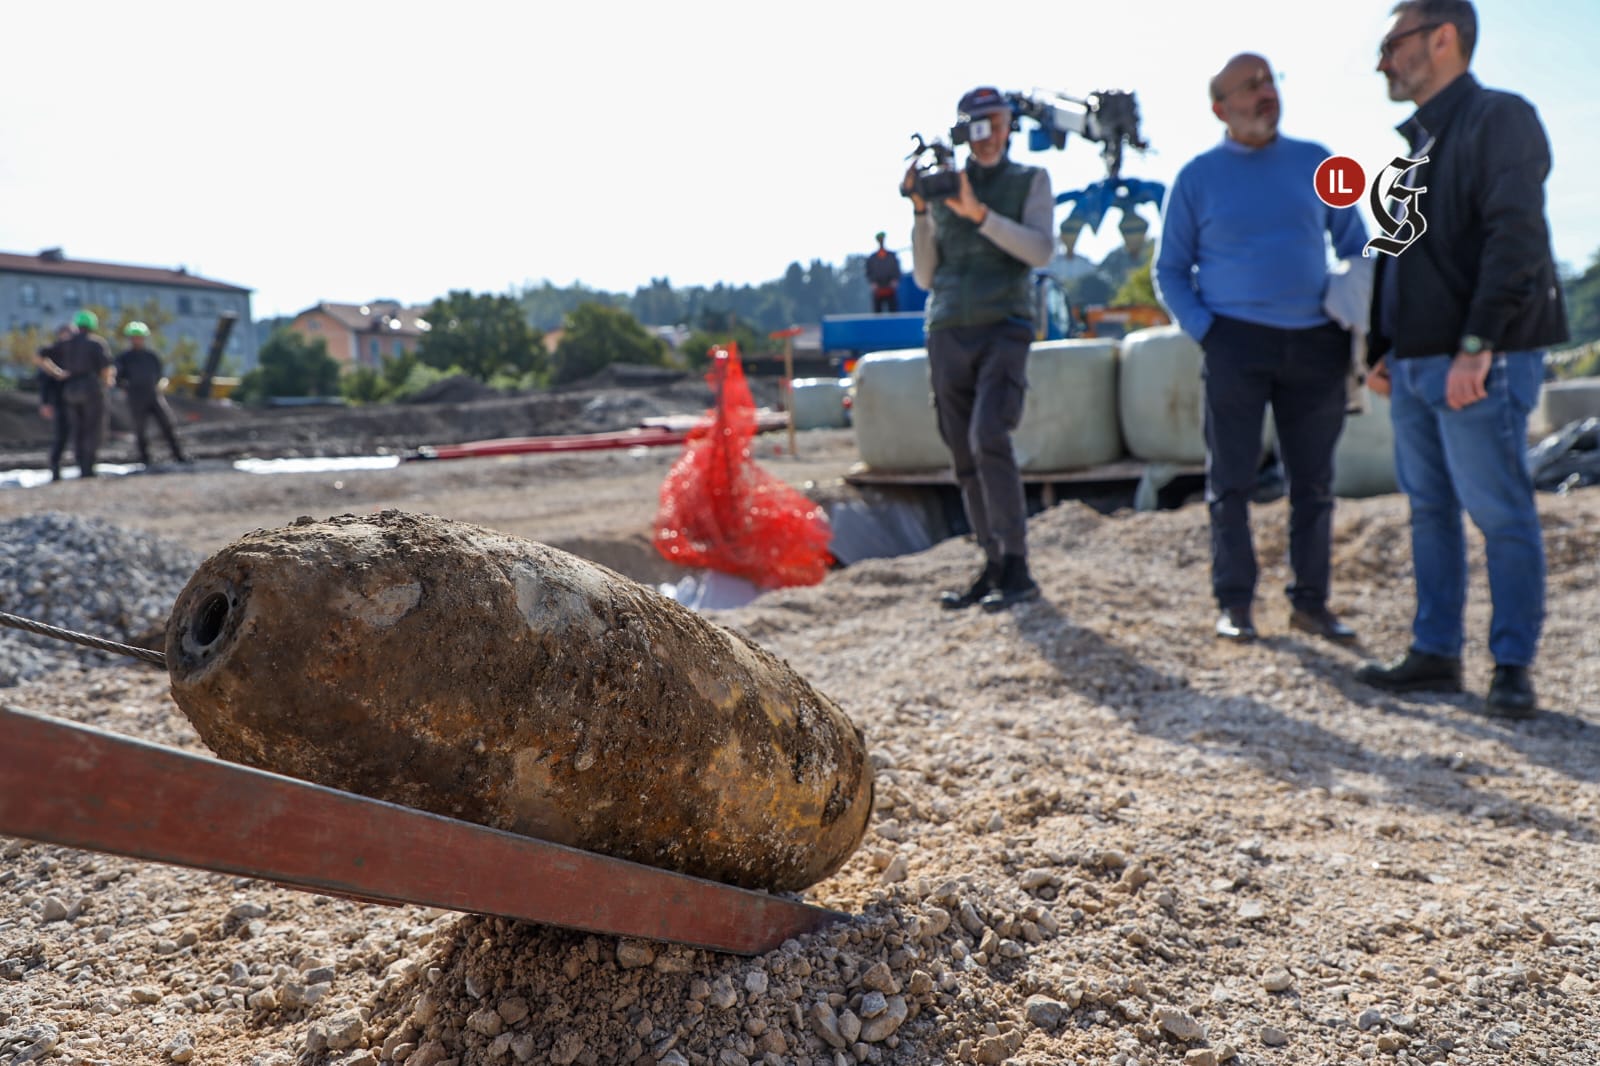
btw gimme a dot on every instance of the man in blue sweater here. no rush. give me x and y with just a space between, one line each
1242 268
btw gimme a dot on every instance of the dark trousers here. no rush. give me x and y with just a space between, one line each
885 300
141 409
980 381
87 414
1301 374
61 423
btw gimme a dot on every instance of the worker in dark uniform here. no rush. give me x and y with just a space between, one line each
140 376
50 405
883 274
82 364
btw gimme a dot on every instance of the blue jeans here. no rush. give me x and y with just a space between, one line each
1474 458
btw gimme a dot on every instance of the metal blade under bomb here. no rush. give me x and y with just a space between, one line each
73 785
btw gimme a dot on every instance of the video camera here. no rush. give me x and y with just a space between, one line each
936 180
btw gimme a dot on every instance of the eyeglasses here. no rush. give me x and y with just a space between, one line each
1386 49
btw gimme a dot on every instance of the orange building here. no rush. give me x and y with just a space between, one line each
363 335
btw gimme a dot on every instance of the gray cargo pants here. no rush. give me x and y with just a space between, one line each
980 380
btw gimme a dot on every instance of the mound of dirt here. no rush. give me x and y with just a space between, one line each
457 389
454 411
1100 835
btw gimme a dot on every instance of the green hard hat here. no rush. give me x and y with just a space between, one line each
136 329
86 320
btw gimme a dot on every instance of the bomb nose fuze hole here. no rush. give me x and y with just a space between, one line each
209 619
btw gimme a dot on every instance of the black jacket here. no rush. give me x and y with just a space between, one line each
139 371
1483 266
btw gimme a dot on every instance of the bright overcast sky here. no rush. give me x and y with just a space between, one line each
348 151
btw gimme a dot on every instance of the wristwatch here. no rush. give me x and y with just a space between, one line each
1472 344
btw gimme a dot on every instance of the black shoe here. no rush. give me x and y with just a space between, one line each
1234 624
1014 585
1322 622
1418 671
1511 693
980 587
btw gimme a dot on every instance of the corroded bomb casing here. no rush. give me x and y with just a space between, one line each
457 670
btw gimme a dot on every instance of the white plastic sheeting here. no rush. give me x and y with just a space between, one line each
1160 396
818 403
1363 463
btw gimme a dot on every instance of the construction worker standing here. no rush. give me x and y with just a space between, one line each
883 274
82 364
139 375
50 405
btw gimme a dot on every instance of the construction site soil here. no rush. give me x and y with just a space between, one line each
1100 836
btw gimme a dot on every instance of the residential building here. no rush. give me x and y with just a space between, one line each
363 335
47 289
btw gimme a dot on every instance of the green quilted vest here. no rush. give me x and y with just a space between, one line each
977 284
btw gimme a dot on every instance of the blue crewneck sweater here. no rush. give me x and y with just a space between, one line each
1243 235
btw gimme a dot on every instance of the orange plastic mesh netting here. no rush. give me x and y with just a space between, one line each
720 511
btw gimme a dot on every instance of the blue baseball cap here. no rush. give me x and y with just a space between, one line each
982 101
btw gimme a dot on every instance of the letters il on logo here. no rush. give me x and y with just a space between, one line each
1402 228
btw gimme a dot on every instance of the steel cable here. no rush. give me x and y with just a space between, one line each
100 643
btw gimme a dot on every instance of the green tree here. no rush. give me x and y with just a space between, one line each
657 305
290 365
547 306
719 327
1137 288
1583 303
482 335
362 385
596 336
18 347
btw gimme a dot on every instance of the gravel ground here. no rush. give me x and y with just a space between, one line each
1101 836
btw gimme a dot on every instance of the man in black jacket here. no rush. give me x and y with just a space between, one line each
50 405
140 375
1463 307
82 364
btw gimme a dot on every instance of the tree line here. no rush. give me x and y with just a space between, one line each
544 335
502 339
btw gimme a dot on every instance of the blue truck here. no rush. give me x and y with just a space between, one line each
846 338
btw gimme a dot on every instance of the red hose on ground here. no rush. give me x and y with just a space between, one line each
720 511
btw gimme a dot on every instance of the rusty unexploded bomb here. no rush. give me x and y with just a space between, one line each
480 676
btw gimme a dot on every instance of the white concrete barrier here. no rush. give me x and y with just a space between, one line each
1562 402
896 430
1069 419
1160 396
818 403
1363 462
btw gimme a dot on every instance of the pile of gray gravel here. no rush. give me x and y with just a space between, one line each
85 575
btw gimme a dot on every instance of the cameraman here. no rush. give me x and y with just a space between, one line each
975 252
